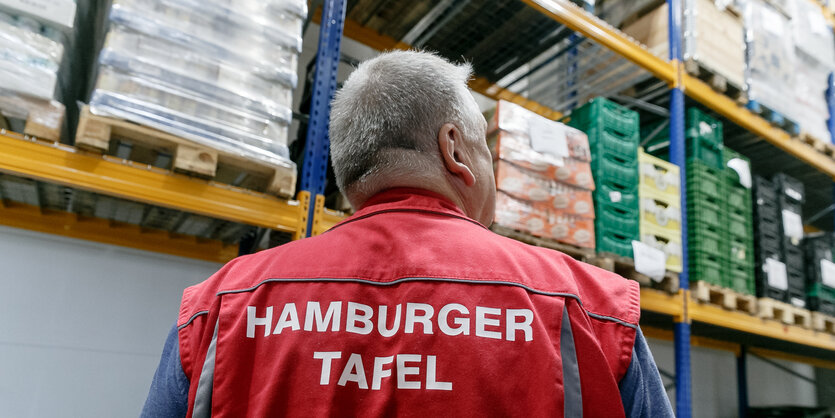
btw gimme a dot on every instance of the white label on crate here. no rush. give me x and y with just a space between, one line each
828 273
548 137
649 261
800 303
743 169
615 196
705 128
776 272
792 225
794 194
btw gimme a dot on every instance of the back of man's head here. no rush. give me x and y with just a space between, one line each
385 121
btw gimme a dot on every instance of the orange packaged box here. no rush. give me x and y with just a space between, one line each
527 125
521 215
560 198
512 149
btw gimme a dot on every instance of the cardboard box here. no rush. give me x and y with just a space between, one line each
521 215
712 36
522 123
514 148
559 198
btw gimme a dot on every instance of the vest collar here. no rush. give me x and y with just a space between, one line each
405 199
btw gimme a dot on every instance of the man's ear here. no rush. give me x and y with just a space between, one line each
451 145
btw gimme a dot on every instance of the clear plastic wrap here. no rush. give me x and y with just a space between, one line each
53 12
810 110
182 113
521 215
220 26
138 55
29 61
560 198
813 36
277 63
769 70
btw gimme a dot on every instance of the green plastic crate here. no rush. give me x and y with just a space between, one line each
705 210
700 124
706 267
705 180
738 200
740 227
601 141
615 217
740 251
603 113
614 242
705 151
741 279
611 191
822 291
708 243
611 167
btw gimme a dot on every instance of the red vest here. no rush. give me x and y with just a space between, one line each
408 308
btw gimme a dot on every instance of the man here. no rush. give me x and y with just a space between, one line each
411 306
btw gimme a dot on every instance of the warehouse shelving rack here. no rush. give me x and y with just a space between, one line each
714 327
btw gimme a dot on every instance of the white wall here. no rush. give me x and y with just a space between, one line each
82 324
714 388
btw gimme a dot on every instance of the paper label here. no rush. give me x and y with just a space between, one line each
828 273
776 272
615 196
792 225
548 137
705 128
649 261
794 194
743 169
800 303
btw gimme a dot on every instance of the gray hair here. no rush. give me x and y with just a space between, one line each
385 119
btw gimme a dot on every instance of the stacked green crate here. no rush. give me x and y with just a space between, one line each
706 187
739 233
614 135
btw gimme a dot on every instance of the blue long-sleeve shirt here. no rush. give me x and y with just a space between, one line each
641 388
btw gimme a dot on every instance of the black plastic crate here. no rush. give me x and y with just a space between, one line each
793 256
790 187
763 288
764 190
814 303
796 279
784 203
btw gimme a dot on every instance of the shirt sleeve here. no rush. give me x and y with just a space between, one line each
168 396
641 389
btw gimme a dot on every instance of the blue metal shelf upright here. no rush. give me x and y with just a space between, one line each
315 164
681 327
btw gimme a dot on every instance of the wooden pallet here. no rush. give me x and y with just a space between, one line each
42 119
786 313
135 142
625 267
716 81
578 253
727 298
823 323
824 147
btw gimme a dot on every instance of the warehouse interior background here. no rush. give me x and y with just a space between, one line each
101 229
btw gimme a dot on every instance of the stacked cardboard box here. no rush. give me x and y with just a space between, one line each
613 132
543 176
711 33
218 72
659 191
